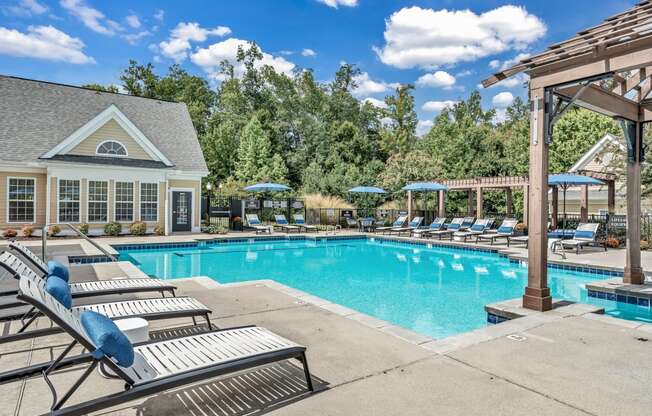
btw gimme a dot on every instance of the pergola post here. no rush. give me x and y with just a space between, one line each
526 204
509 202
409 205
611 197
555 207
479 212
537 294
584 203
442 203
469 202
633 271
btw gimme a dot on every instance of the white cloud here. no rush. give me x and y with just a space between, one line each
464 73
336 3
178 44
424 126
26 8
308 52
501 116
503 99
133 38
90 17
437 79
159 15
437 106
427 38
209 58
43 42
375 102
133 21
367 86
496 64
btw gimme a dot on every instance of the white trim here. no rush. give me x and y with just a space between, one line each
48 198
597 148
111 113
166 222
59 200
110 155
88 200
140 201
133 201
192 211
7 202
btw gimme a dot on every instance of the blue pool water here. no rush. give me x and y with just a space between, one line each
435 291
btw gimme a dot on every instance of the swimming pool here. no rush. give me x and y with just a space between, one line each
437 291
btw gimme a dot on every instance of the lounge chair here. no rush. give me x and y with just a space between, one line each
300 221
351 222
283 224
117 286
151 367
436 225
254 222
477 228
150 309
506 230
522 239
467 223
412 225
585 235
451 228
400 222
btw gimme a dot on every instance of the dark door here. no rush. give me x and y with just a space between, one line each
181 211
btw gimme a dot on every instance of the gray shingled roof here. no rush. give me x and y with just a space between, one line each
35 116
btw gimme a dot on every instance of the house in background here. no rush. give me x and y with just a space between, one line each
75 155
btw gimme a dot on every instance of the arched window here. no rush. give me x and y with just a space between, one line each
111 148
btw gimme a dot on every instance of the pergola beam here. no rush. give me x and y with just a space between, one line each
604 102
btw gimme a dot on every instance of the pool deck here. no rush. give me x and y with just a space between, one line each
560 362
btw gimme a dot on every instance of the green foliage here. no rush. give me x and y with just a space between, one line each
159 229
101 88
138 228
400 135
216 229
83 228
113 229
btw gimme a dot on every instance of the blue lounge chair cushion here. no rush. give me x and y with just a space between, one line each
478 227
505 230
254 222
281 221
584 234
397 223
299 221
55 268
59 290
453 226
108 339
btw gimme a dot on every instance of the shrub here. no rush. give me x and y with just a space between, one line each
645 245
612 242
138 228
521 227
113 229
159 229
27 230
54 230
237 219
216 229
9 233
83 227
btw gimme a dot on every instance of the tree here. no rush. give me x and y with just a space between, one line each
102 88
400 133
254 157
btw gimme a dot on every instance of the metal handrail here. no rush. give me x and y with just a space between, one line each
44 239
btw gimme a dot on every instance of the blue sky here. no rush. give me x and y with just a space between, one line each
444 47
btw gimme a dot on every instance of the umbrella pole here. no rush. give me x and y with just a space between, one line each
565 187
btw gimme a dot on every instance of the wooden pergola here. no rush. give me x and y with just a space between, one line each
608 69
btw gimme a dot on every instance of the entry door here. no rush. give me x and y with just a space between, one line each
181 211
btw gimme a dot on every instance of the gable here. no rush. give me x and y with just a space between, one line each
111 130
599 157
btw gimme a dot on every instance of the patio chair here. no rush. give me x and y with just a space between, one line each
400 222
154 366
116 286
412 225
506 230
283 224
477 228
522 239
351 222
467 223
367 225
149 309
450 228
254 222
300 221
436 225
585 235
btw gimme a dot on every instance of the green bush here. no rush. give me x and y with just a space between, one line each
83 227
113 229
54 230
138 228
10 233
27 230
159 229
216 229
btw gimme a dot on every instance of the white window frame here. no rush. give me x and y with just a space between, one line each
59 200
9 178
140 203
88 201
108 155
116 202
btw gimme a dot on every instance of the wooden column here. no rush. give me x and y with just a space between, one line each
509 202
584 203
409 205
633 271
611 197
469 203
555 206
526 204
442 203
479 211
537 294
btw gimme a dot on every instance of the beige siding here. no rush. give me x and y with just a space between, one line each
110 131
196 185
161 203
41 179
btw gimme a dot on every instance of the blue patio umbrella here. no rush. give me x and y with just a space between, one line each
367 190
565 180
425 187
267 187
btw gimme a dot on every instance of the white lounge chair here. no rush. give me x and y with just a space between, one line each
254 222
283 223
400 222
436 225
467 223
412 225
451 228
300 221
585 235
477 228
505 231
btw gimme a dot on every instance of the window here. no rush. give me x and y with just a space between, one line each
111 148
149 202
98 199
20 199
124 201
68 200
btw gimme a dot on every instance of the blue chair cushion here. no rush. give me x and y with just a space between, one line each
299 221
281 221
505 230
453 226
478 227
584 234
57 269
108 339
254 222
59 289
